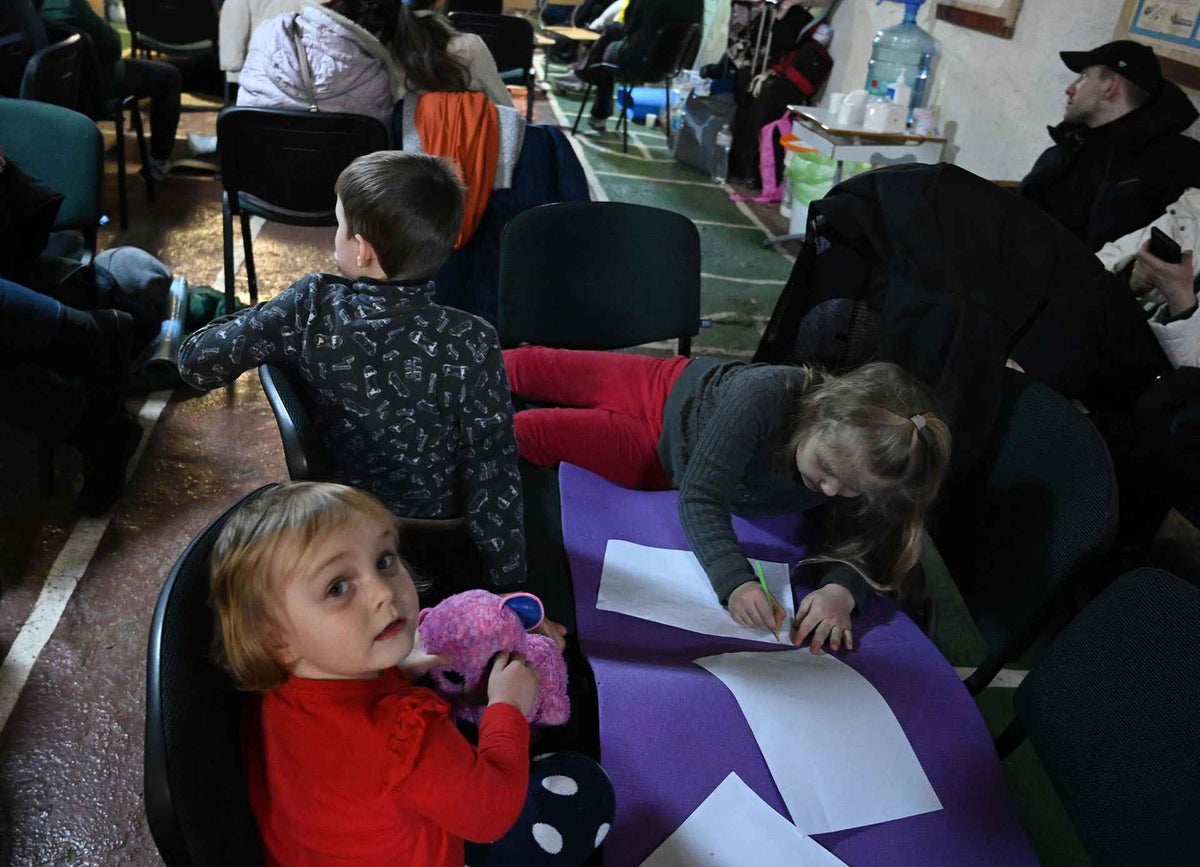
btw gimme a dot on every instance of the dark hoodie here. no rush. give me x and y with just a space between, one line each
1105 182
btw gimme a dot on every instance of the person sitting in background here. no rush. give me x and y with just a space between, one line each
239 20
330 57
627 44
433 56
1118 157
409 397
1168 289
361 57
159 81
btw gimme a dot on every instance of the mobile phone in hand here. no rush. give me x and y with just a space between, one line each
1164 247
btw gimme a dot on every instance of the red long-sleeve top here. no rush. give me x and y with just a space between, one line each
345 772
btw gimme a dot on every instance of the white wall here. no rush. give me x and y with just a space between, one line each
997 96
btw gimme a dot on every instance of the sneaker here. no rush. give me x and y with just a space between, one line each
202 145
568 84
159 169
598 124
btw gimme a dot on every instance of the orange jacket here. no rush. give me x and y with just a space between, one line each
464 128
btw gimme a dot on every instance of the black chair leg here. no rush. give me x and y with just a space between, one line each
46 468
586 93
227 249
667 103
135 114
248 247
122 186
1009 739
530 81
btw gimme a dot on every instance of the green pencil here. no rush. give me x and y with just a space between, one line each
762 580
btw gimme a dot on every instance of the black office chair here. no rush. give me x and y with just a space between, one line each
52 74
1112 710
671 50
1018 542
485 7
194 786
282 165
637 279
510 40
303 450
183 32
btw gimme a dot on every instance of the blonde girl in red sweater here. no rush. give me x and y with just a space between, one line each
347 761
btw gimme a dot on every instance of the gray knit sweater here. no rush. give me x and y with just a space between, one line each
724 444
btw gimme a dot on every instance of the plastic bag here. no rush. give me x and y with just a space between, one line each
703 117
810 176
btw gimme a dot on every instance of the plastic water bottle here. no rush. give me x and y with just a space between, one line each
721 155
905 50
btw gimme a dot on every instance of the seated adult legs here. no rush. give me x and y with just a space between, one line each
160 82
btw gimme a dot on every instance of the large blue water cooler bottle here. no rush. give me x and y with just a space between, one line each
904 49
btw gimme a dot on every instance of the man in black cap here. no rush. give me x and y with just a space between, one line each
1118 157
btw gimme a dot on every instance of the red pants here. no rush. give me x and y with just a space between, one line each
616 414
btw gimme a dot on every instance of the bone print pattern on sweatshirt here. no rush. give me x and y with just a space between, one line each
410 398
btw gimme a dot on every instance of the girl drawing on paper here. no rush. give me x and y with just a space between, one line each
752 438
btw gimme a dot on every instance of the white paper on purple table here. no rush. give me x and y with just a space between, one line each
669 586
734 826
834 748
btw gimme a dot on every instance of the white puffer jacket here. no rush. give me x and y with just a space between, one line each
239 19
1180 340
352 71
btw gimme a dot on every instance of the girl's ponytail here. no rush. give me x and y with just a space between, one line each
880 434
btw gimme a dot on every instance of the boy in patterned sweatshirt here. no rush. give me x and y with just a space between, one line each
409 397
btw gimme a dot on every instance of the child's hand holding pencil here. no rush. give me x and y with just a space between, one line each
752 604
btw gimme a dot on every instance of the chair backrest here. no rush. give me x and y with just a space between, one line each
508 38
1042 517
307 458
194 786
52 74
487 7
64 150
1112 709
634 280
184 28
282 165
672 48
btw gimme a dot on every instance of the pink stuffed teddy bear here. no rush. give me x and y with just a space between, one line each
474 626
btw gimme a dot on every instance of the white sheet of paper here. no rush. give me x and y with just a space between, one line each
832 744
669 586
735 827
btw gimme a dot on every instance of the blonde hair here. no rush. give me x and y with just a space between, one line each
879 434
249 565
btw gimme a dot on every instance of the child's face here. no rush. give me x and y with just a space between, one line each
813 467
349 610
345 248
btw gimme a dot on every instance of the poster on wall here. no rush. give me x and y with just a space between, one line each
1172 29
997 17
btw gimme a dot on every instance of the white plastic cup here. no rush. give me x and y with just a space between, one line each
924 121
835 103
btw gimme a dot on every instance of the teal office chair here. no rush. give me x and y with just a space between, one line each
635 281
64 150
1019 540
1112 709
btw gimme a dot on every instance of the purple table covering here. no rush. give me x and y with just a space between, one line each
670 732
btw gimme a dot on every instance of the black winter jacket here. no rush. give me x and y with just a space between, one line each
964 275
1103 183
